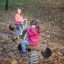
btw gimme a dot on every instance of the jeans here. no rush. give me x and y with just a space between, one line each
16 35
24 43
20 28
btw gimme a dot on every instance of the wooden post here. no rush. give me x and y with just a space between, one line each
6 5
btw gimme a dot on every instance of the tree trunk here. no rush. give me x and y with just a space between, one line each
6 5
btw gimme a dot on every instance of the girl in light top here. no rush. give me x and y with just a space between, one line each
19 20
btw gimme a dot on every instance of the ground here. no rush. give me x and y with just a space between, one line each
49 14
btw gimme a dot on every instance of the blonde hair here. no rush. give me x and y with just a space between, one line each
19 10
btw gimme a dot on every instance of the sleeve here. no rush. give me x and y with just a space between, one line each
29 32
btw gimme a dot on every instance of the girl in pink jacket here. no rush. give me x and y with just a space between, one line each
33 34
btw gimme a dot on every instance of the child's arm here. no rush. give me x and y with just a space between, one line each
29 32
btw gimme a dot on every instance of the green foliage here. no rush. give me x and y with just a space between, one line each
2 2
14 4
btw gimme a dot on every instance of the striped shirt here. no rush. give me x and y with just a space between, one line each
34 57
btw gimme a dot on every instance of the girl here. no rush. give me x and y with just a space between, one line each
33 36
19 21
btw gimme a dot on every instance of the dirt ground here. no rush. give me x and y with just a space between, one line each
51 23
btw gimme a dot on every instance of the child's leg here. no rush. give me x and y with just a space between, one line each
16 35
19 26
24 43
20 29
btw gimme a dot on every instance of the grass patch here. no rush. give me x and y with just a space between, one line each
17 3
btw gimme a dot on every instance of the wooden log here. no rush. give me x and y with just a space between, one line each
41 47
45 51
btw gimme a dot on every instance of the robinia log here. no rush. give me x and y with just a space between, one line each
41 47
45 51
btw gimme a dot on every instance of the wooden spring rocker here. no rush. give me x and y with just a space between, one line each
45 51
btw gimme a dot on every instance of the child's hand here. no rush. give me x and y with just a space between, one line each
25 19
19 40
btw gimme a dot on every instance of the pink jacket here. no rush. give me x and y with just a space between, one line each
33 36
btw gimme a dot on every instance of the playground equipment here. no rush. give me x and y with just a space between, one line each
45 51
43 48
34 52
